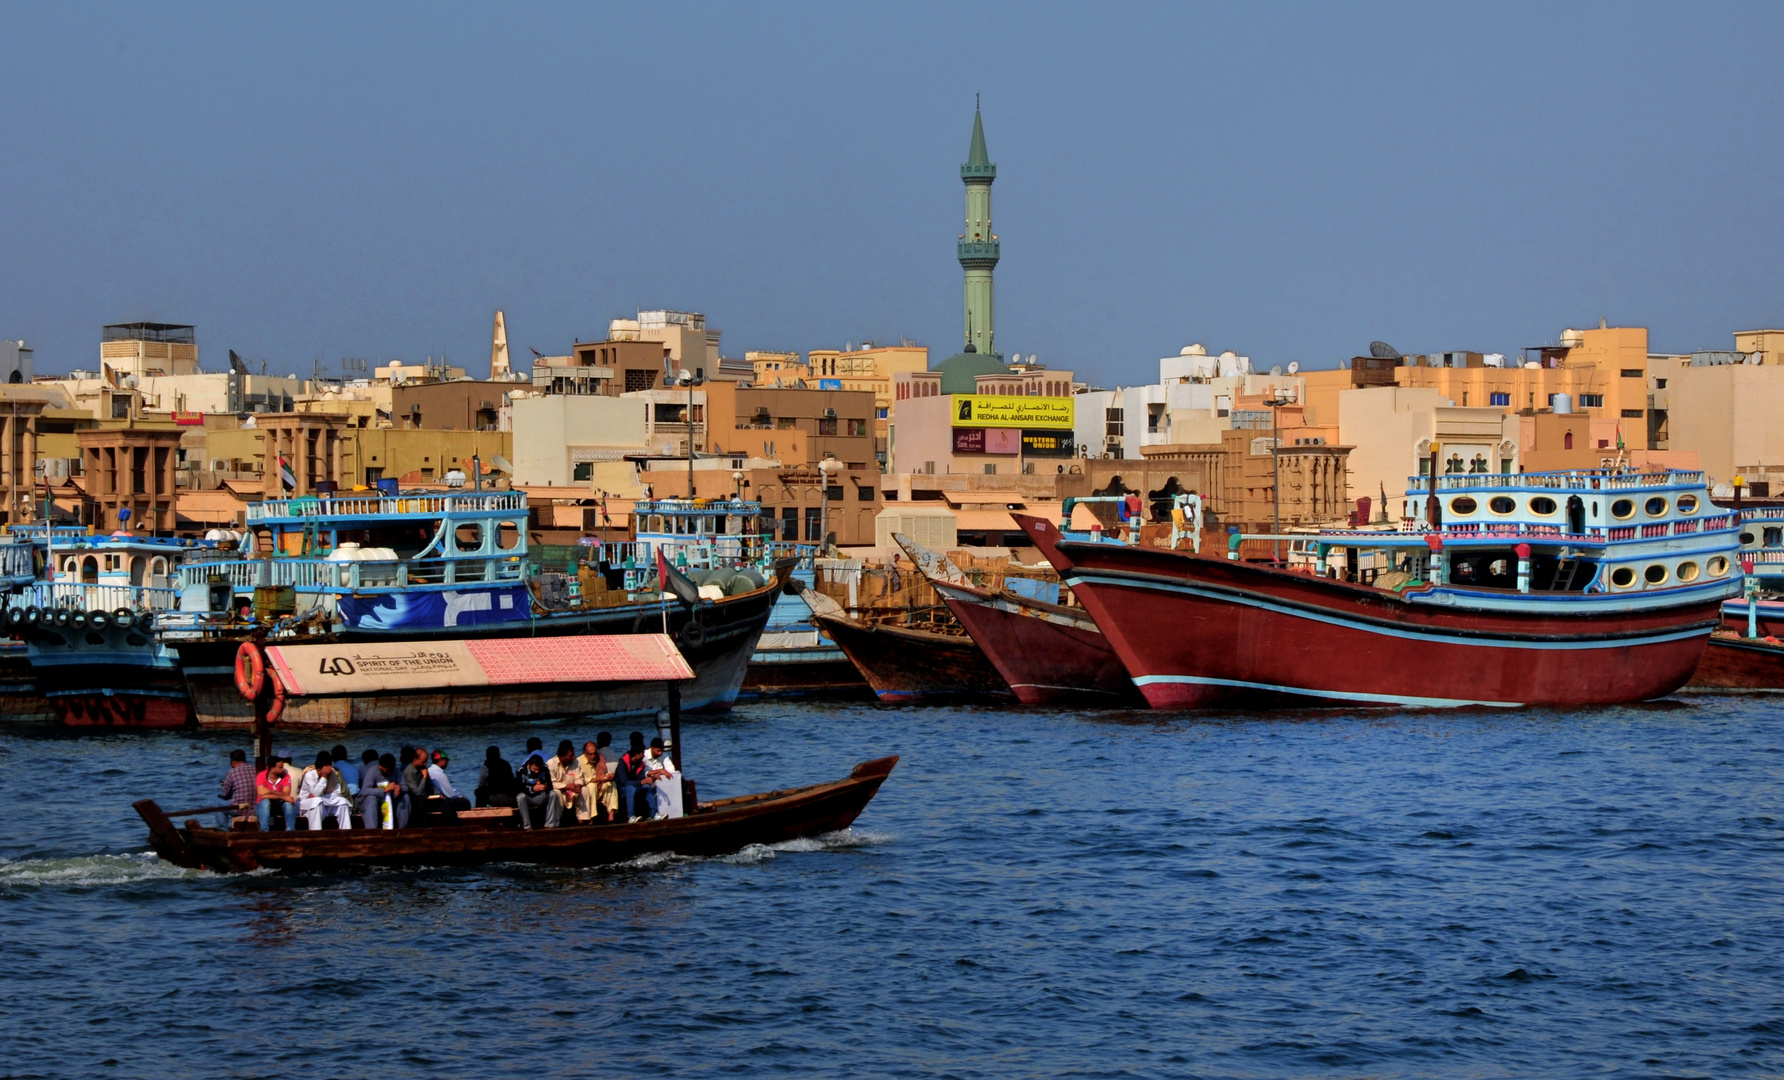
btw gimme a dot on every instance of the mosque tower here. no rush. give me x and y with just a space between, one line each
978 247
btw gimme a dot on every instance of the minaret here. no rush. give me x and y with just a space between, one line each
498 349
978 247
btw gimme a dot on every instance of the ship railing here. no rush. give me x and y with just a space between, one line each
1765 557
1586 480
691 554
36 531
16 561
432 504
84 596
1689 525
1659 528
340 575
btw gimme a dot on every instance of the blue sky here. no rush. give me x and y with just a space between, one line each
312 181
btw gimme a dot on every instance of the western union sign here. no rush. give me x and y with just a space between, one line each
979 410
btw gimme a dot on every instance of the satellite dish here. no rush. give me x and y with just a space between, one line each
1275 369
500 463
1381 350
1294 366
1015 358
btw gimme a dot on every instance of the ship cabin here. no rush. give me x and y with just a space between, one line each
376 542
1633 539
102 578
1762 543
705 534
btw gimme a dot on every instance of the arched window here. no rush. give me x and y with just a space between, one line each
90 570
1567 441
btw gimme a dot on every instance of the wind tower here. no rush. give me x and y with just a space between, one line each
978 247
498 349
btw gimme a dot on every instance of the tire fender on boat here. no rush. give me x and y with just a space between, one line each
123 617
33 615
250 670
16 616
692 636
98 620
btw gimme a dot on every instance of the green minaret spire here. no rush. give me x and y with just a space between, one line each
978 247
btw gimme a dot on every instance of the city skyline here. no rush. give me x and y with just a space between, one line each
1289 184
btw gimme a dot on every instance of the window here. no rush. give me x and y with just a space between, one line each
1634 414
1500 399
1623 508
1634 373
814 521
827 426
1501 504
789 523
640 380
1113 423
1655 574
373 474
1543 505
1774 536
1591 401
1567 441
1462 505
1687 504
1718 566
120 408
1479 464
833 492
880 414
864 494
857 427
783 423
991 470
1687 571
1623 577
1655 507
582 470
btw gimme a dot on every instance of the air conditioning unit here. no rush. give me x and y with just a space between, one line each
829 414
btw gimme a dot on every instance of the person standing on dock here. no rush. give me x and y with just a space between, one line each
324 789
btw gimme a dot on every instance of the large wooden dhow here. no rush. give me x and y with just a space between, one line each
1049 653
904 664
1549 589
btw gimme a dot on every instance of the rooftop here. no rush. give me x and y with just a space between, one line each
178 333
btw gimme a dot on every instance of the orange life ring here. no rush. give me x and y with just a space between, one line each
276 708
250 670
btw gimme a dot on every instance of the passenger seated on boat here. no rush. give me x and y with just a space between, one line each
400 803
376 792
599 799
273 788
630 779
660 775
237 788
566 779
496 785
324 788
536 793
349 772
424 803
436 771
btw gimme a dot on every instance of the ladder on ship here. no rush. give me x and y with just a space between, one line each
1565 572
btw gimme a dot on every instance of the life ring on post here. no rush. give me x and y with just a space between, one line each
275 708
250 670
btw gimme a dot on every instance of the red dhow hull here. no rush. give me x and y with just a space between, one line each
1043 651
1733 662
1195 631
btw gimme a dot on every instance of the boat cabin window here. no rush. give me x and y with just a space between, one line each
1623 577
1746 539
1774 536
1717 566
158 567
1464 505
1655 574
1502 504
1688 571
1687 504
468 536
1655 507
90 570
508 536
1623 508
1542 506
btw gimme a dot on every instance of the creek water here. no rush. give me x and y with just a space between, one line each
1098 894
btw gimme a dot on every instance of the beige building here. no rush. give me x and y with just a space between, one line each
1390 430
560 439
345 451
685 337
130 467
20 407
794 425
1729 414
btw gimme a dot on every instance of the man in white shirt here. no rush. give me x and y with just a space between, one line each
436 771
663 782
323 789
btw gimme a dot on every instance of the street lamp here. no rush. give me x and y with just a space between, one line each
688 377
825 468
737 484
1275 403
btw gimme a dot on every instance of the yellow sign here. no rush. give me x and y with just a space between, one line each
978 410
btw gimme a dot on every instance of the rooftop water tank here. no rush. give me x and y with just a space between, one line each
1561 403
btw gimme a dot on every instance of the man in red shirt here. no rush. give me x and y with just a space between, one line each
273 786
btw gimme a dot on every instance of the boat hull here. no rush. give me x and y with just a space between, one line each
716 828
1046 657
1768 616
719 660
1195 632
903 666
1732 662
116 678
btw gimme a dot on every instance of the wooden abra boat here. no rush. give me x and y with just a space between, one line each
714 828
906 665
1049 653
1734 662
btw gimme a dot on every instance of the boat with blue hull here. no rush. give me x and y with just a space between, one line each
421 567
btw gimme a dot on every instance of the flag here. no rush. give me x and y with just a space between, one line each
286 476
1619 434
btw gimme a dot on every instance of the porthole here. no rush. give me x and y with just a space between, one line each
1463 505
1746 539
1501 504
1543 505
469 536
1717 566
1623 577
1623 508
1688 571
1686 504
1655 507
1655 574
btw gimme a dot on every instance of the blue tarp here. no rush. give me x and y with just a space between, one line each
435 610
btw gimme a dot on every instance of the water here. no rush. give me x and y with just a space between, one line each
1063 894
